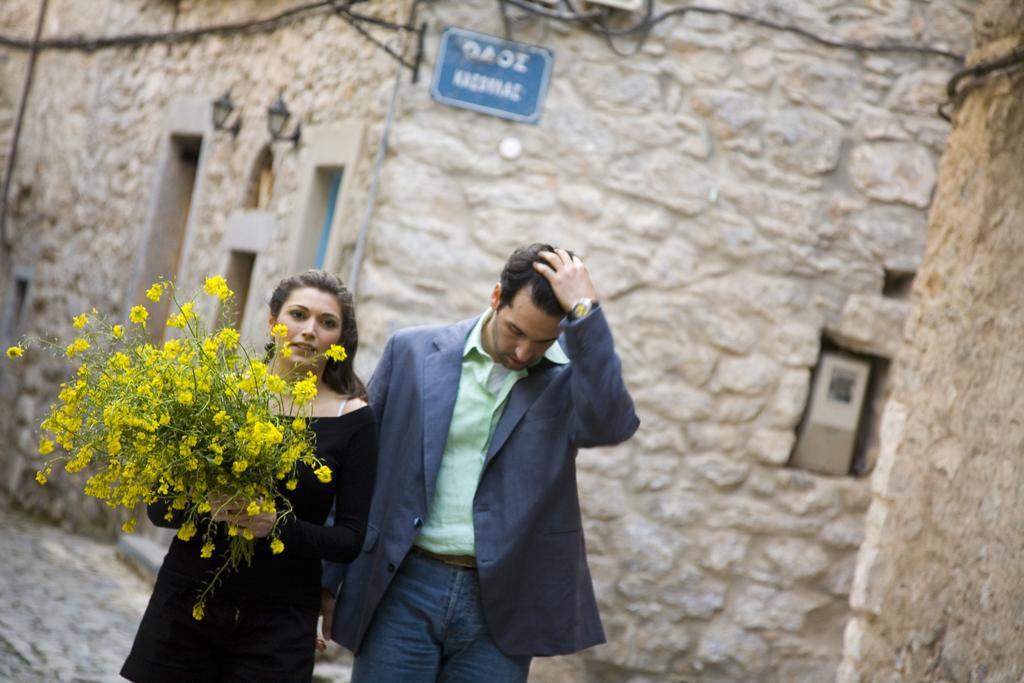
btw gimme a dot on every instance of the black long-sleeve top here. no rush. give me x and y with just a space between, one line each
348 445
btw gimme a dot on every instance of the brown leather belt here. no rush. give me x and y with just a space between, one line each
464 561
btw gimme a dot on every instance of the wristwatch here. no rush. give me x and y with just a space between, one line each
581 309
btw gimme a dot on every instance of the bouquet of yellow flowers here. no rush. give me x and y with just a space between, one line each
194 420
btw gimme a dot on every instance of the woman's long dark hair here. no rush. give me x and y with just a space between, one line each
341 377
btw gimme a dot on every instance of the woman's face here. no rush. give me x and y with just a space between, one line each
313 320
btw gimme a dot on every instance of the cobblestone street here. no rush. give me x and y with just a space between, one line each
69 605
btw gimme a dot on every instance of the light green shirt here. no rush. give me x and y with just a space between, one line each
484 387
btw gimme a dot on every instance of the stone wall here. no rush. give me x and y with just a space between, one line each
939 579
88 164
737 192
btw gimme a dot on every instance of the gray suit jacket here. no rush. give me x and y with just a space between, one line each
535 584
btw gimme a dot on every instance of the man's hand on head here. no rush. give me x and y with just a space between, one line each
569 278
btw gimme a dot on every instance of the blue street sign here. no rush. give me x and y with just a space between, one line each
492 76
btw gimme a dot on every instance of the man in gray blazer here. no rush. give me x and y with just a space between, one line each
474 559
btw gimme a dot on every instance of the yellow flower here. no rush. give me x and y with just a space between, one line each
252 509
276 546
276 384
199 610
139 314
128 526
298 424
15 352
217 286
79 321
286 350
239 466
117 331
337 353
155 291
187 531
305 390
185 398
76 347
220 418
41 477
279 330
232 530
247 534
323 473
206 552
292 483
228 338
45 447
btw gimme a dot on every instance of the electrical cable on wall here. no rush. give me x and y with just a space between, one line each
597 21
342 8
972 76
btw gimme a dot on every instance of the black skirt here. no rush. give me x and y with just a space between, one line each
237 640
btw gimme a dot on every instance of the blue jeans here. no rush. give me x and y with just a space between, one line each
430 627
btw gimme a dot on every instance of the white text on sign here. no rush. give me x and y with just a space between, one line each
485 84
505 58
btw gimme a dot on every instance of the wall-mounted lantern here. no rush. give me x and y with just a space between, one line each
222 109
277 119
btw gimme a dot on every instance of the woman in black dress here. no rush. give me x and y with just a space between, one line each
260 622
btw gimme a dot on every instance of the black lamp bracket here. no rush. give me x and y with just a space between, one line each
356 20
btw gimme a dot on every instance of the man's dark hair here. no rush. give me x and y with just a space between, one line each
519 273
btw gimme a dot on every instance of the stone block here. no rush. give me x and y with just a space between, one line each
878 123
872 325
826 85
585 200
761 607
723 551
796 558
772 446
737 409
785 408
663 177
895 235
889 477
894 172
725 331
920 91
795 344
715 436
871 580
724 641
804 141
839 577
758 517
720 470
674 508
654 472
731 113
751 376
677 402
846 532
649 546
699 598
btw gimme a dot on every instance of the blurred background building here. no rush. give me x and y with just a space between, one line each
748 182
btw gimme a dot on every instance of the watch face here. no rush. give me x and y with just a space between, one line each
581 308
